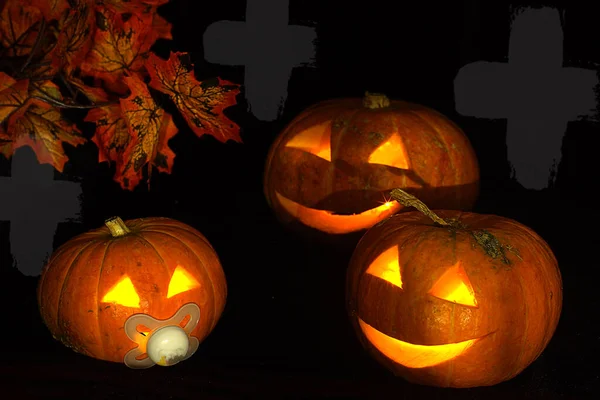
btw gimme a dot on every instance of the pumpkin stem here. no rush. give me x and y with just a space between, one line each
486 240
408 200
116 226
375 100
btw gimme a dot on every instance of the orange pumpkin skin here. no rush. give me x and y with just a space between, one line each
82 270
433 159
518 305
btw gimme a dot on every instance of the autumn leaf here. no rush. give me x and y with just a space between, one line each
161 27
134 134
41 126
6 143
112 134
200 103
13 95
19 24
96 95
50 9
74 38
138 7
119 48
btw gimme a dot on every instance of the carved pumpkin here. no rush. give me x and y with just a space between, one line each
142 292
332 167
467 300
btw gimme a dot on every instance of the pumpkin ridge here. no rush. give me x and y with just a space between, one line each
404 176
212 285
66 282
162 261
518 364
410 259
97 301
441 138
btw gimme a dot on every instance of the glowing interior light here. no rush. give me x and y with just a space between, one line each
181 281
454 286
123 293
386 267
329 222
414 355
315 140
392 153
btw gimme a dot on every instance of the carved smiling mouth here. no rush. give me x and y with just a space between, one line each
414 355
330 222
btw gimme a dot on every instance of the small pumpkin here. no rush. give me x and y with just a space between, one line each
453 299
141 292
331 169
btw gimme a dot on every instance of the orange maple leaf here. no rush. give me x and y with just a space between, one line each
19 27
6 143
13 96
51 9
74 36
96 95
42 127
147 10
138 7
161 27
133 134
119 49
200 103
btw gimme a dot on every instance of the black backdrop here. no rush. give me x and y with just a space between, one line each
284 332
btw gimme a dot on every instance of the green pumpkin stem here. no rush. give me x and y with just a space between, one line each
116 226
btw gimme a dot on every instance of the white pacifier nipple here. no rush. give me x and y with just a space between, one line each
168 341
168 345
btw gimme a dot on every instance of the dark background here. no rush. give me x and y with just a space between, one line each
284 332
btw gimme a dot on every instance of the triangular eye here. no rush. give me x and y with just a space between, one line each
123 293
387 267
454 286
391 153
315 140
181 281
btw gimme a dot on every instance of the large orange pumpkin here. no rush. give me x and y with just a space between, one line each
141 292
332 167
467 300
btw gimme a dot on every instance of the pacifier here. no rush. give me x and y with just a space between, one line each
167 343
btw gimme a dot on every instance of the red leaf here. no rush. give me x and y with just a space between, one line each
162 27
19 24
137 7
119 49
51 9
6 143
75 29
13 96
200 103
41 126
134 134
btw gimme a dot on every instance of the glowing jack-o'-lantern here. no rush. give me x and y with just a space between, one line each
467 300
140 292
332 167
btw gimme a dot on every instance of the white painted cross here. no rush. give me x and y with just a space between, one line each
269 49
35 203
533 91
